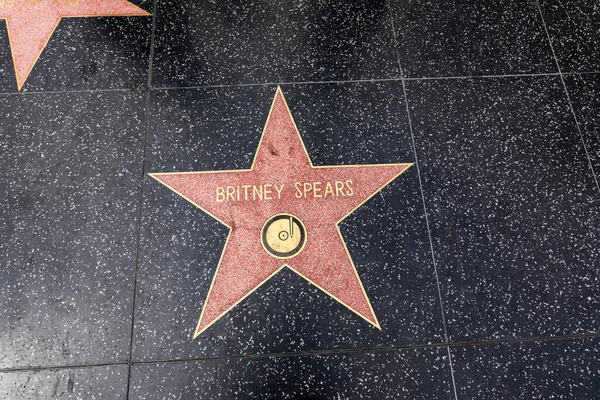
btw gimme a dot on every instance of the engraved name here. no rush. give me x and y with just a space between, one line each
36 3
301 190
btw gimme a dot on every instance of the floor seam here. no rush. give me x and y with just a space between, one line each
325 352
141 201
414 146
570 103
234 85
38 92
60 367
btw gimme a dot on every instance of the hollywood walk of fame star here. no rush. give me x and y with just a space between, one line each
30 24
282 212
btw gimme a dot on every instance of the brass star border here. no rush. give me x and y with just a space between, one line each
31 23
323 260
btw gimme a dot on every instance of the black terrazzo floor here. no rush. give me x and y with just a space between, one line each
482 262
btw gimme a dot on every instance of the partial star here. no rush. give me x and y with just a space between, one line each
283 212
30 24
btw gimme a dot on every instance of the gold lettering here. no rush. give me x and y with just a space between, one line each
317 189
307 188
339 188
63 3
27 3
20 3
278 190
329 190
349 192
245 187
267 191
230 192
257 193
220 193
248 192
272 191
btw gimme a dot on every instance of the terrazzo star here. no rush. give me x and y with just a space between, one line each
31 23
299 232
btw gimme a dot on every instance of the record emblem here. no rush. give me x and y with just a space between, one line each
283 236
282 212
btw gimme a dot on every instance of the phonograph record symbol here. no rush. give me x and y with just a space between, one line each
282 212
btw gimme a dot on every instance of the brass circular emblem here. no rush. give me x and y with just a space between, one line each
283 236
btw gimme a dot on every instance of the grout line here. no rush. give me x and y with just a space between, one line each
435 269
562 79
429 78
414 146
152 37
391 14
448 350
581 73
60 367
326 352
137 253
234 85
471 343
140 90
142 187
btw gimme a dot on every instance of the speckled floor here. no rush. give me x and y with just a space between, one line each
481 261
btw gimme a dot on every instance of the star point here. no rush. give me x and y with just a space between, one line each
283 212
31 23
